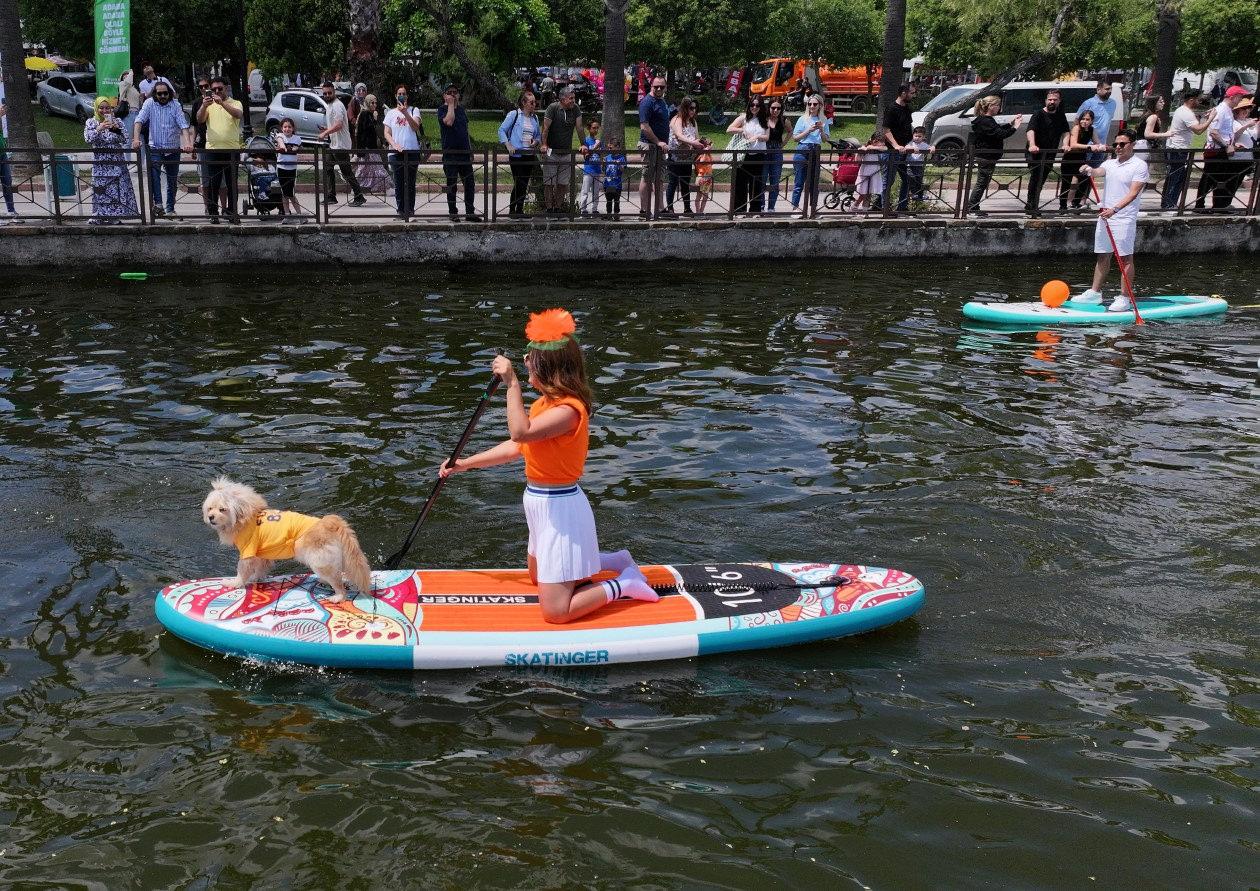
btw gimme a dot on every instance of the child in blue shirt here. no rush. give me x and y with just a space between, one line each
592 169
917 153
614 167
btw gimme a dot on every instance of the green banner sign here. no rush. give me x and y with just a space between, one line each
113 44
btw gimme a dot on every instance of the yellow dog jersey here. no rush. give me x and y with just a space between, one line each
273 534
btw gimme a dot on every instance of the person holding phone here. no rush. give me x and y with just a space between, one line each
222 117
810 130
112 195
520 133
402 134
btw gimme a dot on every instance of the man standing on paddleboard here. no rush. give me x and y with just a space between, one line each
1124 178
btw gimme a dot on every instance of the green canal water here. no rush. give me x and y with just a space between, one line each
1078 701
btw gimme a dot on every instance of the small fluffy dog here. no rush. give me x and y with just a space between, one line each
241 517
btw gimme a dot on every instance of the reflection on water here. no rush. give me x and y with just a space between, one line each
1078 699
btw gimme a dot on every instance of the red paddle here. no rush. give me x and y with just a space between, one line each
1124 276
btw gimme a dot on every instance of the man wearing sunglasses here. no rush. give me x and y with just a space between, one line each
222 117
169 134
1124 178
653 142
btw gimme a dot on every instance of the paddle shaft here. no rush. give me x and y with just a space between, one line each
1124 276
397 558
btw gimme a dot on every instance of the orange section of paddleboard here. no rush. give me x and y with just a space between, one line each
528 616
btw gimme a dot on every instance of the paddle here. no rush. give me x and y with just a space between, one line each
1124 276
397 558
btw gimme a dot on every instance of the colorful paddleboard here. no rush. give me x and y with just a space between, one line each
465 618
1071 313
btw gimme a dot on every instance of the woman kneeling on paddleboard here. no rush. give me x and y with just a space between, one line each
553 438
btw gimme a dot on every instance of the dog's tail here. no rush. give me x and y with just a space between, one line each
357 569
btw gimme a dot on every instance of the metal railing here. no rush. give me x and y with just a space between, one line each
126 186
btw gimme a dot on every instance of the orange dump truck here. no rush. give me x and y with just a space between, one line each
850 89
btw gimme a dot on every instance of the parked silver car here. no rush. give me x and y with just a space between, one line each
951 131
307 109
70 95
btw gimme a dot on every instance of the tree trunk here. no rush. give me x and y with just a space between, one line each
17 90
1168 19
364 62
483 79
1015 72
894 58
615 70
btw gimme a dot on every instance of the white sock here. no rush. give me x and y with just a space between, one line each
615 561
630 585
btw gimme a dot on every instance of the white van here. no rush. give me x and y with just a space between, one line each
951 131
1207 80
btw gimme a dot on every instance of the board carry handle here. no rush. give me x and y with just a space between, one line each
397 558
835 581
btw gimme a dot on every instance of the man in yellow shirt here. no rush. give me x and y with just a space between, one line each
222 117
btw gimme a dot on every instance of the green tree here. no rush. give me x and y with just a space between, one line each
614 63
298 35
679 34
165 34
893 59
17 91
482 40
1168 30
1219 34
838 32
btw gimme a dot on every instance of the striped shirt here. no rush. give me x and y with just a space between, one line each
165 123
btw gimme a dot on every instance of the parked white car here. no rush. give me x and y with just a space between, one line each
307 109
951 131
70 95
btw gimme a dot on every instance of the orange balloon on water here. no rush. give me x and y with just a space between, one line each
1055 293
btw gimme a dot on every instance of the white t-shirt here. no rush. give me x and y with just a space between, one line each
338 140
284 160
1118 178
755 134
1223 124
1182 136
404 137
1245 139
148 85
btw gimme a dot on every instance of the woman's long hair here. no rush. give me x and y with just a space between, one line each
985 103
562 372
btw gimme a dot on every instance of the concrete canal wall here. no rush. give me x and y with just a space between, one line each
137 246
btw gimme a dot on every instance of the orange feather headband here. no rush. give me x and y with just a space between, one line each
550 329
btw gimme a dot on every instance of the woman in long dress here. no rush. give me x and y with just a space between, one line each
112 194
373 176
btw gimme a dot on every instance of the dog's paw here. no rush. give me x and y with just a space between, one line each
337 598
234 582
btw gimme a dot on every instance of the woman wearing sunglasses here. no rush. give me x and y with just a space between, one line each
811 129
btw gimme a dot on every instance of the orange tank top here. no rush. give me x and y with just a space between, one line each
560 460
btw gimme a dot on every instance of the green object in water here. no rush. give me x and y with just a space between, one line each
134 276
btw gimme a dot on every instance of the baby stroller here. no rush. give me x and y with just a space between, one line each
263 195
844 175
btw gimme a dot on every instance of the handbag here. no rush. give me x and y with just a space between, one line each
738 143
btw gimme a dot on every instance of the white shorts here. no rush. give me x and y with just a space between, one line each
1124 231
562 537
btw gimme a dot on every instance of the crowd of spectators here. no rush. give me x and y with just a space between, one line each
376 150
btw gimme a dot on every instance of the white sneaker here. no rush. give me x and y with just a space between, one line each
1090 296
1120 304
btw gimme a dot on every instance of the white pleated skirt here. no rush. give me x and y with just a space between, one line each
562 537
